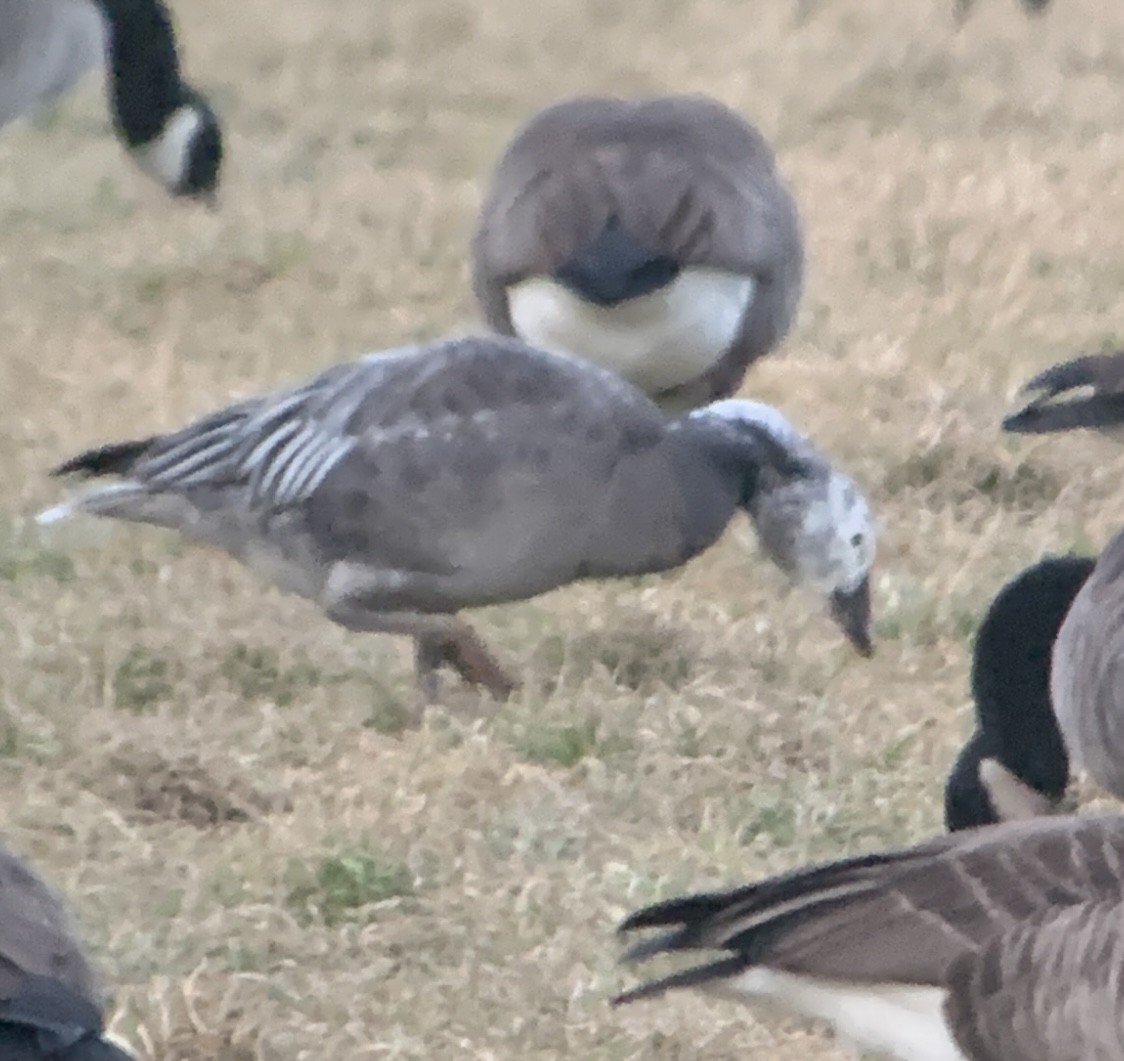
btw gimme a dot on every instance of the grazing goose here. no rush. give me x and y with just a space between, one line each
167 126
652 238
1101 407
1016 764
997 944
401 488
48 1006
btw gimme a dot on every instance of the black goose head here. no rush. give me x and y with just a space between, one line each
1017 744
169 128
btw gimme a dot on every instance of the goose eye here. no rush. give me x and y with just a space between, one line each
856 539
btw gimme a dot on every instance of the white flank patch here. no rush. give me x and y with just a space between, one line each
165 158
656 341
905 1022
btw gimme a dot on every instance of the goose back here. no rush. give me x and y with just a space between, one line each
1087 672
661 187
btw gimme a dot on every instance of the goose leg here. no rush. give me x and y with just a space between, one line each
361 600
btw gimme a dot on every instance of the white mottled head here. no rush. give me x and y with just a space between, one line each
817 527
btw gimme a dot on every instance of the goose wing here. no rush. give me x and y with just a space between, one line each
900 918
1102 406
1049 988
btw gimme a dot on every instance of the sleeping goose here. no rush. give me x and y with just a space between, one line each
1016 764
1101 406
398 489
48 999
167 127
653 238
1004 943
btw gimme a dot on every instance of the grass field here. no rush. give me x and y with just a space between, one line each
269 858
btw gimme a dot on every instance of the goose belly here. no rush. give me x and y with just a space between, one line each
657 341
901 1021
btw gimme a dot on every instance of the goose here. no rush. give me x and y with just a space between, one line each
49 1009
1003 943
167 126
400 488
1016 764
653 238
1100 407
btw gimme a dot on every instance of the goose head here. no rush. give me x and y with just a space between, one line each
811 520
1016 764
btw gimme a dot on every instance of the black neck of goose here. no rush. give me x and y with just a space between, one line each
145 83
967 801
1011 687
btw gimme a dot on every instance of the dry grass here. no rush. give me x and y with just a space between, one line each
269 860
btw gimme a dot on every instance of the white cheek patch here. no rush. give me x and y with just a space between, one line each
657 341
165 158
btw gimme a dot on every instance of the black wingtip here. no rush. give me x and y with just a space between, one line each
1097 412
696 976
671 913
116 458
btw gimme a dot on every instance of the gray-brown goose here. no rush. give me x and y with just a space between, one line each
1004 943
1098 380
401 488
654 238
49 1009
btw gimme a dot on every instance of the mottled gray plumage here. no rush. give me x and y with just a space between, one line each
168 127
1055 407
401 488
613 204
1005 942
49 1006
1087 672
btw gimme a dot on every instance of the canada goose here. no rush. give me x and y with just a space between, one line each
48 999
166 125
1101 408
1016 764
412 483
653 238
1003 943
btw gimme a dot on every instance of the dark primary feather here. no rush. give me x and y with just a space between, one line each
1104 407
902 917
116 458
